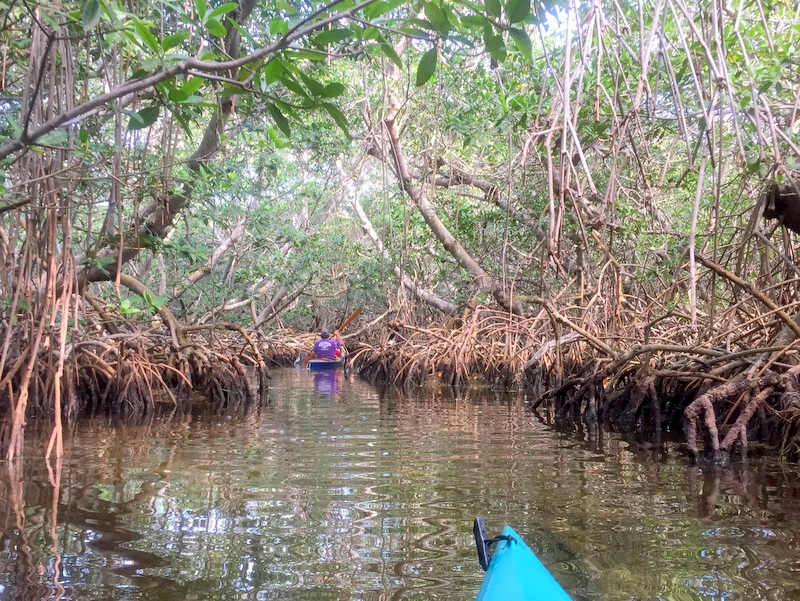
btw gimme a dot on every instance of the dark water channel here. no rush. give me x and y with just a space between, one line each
337 491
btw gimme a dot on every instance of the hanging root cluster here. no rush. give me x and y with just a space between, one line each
114 365
484 346
738 384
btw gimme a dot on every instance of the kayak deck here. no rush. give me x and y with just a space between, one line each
516 574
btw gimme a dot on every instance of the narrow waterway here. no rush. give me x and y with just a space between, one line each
334 490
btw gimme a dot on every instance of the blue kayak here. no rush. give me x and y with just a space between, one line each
514 573
319 364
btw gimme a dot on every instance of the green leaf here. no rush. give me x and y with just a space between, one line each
295 87
310 55
389 51
414 32
290 67
202 7
376 9
280 120
333 89
90 13
451 16
216 28
278 27
276 139
54 138
192 85
315 87
273 71
465 41
165 87
185 126
427 66
243 32
143 118
147 37
474 6
223 9
436 16
494 7
523 43
337 116
494 44
332 36
476 21
173 40
84 136
518 10
139 74
155 302
12 123
175 57
425 25
151 64
100 262
176 95
126 308
197 99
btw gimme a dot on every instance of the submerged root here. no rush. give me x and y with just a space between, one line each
751 394
789 411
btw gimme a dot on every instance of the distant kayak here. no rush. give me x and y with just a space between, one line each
513 572
320 364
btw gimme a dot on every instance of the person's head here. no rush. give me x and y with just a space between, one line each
325 333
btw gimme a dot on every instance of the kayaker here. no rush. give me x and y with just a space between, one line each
327 347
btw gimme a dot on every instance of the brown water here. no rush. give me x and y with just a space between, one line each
337 491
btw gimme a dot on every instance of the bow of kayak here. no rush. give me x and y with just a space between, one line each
515 573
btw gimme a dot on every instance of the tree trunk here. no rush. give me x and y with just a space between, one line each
396 161
420 293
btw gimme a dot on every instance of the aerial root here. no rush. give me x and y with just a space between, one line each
482 346
134 372
744 398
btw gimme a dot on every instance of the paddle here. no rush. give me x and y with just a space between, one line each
348 321
345 323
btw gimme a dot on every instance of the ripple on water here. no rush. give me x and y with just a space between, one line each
371 495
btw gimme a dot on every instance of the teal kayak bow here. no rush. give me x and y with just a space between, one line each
513 572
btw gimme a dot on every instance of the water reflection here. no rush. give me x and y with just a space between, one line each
328 382
373 496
